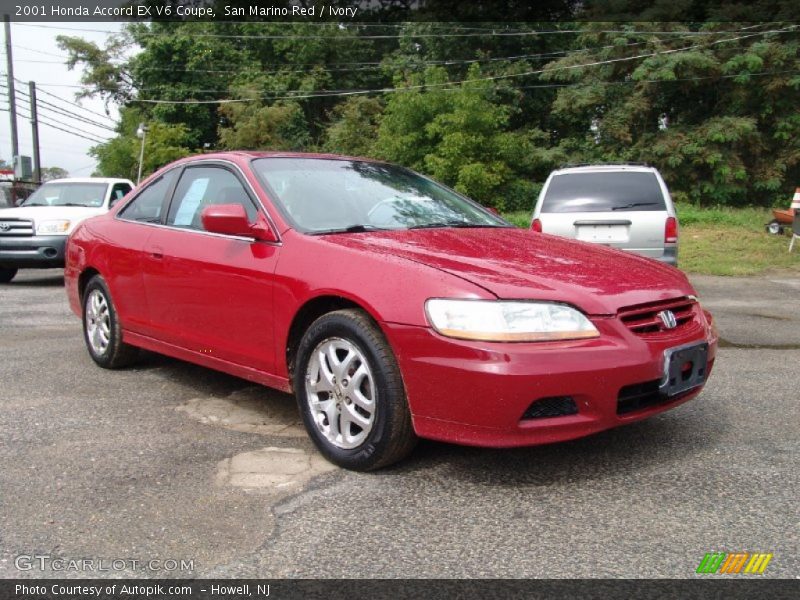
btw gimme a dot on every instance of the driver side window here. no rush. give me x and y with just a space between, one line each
204 186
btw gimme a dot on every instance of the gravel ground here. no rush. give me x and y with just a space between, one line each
171 461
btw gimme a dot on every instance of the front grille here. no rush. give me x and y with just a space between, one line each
645 319
16 227
554 406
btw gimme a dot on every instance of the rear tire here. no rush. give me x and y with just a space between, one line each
6 275
350 393
101 329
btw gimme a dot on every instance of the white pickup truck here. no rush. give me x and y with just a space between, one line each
33 234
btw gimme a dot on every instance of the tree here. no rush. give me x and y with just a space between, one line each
716 113
49 173
354 126
119 157
460 135
253 126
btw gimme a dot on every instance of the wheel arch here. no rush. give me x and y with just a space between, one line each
310 311
83 280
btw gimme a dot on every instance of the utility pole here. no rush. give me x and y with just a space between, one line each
37 165
142 133
12 102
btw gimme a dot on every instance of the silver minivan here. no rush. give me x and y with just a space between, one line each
622 206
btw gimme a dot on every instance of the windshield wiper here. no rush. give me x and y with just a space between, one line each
350 229
633 205
34 204
458 224
74 204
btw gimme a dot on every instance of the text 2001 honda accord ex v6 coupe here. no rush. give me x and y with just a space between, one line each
392 306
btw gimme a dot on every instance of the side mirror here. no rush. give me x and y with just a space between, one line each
493 210
231 219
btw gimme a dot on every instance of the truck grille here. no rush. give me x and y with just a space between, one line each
16 227
646 320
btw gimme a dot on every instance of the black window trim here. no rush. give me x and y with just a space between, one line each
165 206
202 165
120 214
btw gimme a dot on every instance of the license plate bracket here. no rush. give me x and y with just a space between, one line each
685 368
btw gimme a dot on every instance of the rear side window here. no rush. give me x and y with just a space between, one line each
118 192
147 205
602 192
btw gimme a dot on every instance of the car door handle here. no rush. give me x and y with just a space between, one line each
157 252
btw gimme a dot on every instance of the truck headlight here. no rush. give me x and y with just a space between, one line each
59 226
508 321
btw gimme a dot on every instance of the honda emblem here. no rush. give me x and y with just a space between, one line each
668 319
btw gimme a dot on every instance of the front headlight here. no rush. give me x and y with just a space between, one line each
60 226
507 321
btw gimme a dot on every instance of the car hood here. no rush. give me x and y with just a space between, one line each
520 264
75 214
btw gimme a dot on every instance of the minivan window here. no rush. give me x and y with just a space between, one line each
602 192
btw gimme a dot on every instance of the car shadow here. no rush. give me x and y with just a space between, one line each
659 440
186 374
43 282
662 439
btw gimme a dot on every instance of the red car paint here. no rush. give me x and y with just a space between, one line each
229 304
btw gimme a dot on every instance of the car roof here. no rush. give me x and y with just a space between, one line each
88 180
250 154
622 168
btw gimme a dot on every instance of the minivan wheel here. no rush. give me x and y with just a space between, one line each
101 330
775 228
6 275
351 394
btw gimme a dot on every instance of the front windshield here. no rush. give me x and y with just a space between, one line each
330 195
68 194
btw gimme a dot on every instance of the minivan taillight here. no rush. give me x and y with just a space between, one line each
671 230
536 225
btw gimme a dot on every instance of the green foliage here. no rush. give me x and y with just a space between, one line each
730 102
354 126
119 157
49 173
460 134
256 127
716 112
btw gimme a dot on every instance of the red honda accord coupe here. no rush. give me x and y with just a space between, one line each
393 307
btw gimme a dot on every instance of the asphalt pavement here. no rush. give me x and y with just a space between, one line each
167 461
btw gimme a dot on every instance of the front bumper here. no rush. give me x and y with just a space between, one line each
477 393
38 251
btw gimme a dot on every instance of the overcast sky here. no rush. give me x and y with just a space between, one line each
32 44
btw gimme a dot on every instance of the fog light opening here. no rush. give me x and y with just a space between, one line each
551 406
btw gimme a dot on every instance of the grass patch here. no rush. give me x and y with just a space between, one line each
722 241
520 218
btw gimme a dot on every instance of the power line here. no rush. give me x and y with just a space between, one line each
377 64
75 104
72 132
496 32
47 106
57 125
335 93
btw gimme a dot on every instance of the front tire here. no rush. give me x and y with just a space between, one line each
101 329
351 394
6 275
